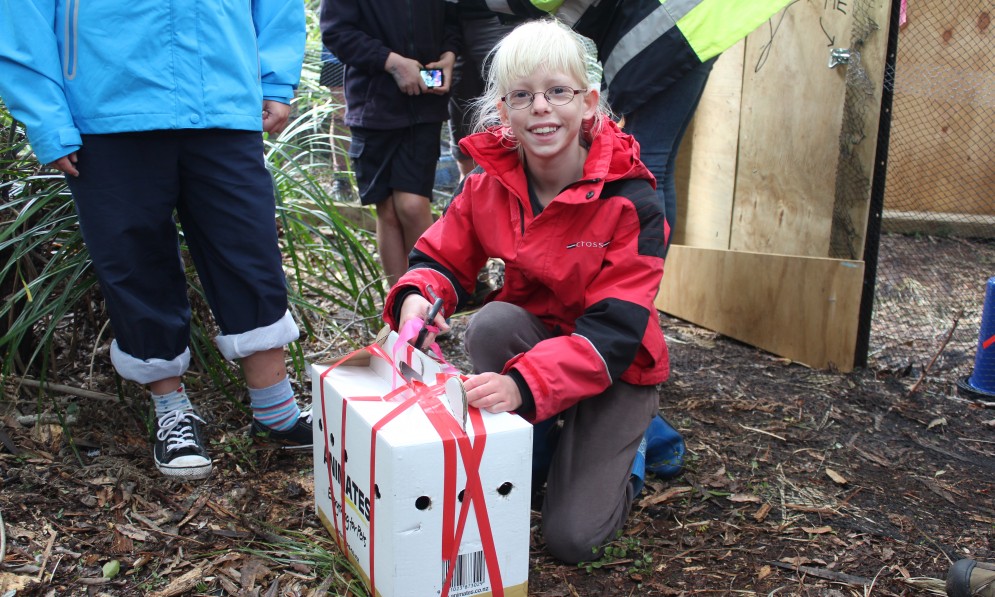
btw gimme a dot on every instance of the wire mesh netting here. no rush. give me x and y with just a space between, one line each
936 253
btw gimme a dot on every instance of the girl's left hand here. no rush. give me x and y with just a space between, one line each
492 392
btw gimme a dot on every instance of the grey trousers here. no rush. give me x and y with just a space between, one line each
588 494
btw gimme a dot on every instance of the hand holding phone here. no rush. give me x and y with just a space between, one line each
432 77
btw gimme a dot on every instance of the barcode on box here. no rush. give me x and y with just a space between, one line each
468 574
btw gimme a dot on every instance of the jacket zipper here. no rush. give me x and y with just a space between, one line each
72 40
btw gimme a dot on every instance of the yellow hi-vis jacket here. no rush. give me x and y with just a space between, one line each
645 45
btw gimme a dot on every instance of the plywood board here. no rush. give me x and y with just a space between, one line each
942 141
792 109
790 145
706 164
802 308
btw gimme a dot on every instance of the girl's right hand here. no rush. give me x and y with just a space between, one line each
415 306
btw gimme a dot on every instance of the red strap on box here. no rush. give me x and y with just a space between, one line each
374 350
454 440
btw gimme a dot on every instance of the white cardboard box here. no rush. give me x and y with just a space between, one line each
400 514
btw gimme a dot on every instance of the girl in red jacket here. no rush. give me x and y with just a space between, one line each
571 341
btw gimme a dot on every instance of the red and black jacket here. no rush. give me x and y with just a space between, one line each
589 266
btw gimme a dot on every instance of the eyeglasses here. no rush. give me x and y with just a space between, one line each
556 96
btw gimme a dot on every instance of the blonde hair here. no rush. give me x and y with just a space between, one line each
544 44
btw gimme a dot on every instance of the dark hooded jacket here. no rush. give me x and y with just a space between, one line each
362 33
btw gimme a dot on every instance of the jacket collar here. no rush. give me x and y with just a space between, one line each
613 155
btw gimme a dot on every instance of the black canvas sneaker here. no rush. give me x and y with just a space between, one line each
298 437
179 451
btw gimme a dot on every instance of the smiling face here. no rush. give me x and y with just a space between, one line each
549 133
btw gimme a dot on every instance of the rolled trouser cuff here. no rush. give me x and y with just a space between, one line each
275 335
148 370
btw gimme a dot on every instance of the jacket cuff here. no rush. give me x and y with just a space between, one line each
55 145
528 407
395 310
278 92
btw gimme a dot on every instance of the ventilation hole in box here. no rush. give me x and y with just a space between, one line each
324 458
345 456
460 496
376 490
320 426
505 488
423 502
331 439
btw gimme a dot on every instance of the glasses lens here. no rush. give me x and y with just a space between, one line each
519 99
559 96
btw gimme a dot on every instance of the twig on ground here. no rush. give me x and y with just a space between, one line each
45 419
183 584
195 509
55 387
774 435
936 355
826 574
47 554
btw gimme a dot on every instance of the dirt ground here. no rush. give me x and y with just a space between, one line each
799 482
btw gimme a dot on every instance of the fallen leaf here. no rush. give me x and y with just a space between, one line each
17 532
764 572
744 497
761 514
130 531
14 582
818 530
836 477
936 422
663 497
182 584
802 561
111 569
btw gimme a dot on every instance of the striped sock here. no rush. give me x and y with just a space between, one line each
175 400
275 406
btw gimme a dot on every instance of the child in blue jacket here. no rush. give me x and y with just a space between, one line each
152 109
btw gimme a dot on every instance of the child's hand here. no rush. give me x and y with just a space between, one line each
492 392
445 63
66 164
406 73
275 117
415 306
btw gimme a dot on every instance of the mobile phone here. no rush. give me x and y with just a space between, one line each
432 77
